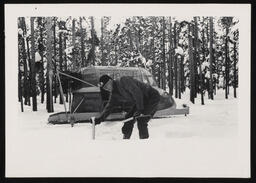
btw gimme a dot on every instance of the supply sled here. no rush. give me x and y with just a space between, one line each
88 101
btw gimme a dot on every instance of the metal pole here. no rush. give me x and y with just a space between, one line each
61 94
77 79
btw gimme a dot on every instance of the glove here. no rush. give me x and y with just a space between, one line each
137 114
97 121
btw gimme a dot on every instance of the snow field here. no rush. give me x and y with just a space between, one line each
203 143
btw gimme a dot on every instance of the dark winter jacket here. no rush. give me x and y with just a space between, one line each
129 90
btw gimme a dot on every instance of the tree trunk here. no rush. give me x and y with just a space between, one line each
179 76
24 58
49 65
93 41
60 59
170 65
183 86
73 43
226 65
65 61
40 49
55 60
102 43
211 58
29 74
195 63
197 58
82 44
163 63
175 61
191 65
20 96
33 74
235 73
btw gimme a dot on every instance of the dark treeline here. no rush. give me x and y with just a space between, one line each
180 54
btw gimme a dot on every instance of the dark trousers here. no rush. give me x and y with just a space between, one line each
150 108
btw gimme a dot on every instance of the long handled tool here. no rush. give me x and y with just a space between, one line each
93 128
124 121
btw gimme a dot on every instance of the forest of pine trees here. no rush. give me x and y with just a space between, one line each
199 54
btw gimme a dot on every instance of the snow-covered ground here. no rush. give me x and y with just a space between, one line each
203 143
215 119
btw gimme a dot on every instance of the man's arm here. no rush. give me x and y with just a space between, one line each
107 109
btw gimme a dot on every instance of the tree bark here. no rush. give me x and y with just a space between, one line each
55 60
82 43
33 74
93 41
29 74
73 43
164 63
24 58
49 65
170 65
197 58
40 48
211 59
226 65
235 73
60 59
175 61
20 95
102 43
191 65
65 61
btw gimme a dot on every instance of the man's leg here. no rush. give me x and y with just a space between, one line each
150 110
128 126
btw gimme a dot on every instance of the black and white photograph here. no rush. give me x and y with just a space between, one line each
127 90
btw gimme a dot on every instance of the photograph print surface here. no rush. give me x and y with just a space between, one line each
177 99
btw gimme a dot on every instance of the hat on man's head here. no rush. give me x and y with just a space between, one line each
104 79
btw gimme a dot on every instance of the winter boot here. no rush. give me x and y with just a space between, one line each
127 129
143 130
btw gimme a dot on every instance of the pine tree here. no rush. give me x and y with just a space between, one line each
82 43
73 43
20 88
191 65
49 65
93 41
41 53
163 59
197 58
170 65
24 59
55 60
175 61
235 70
60 59
32 71
211 59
